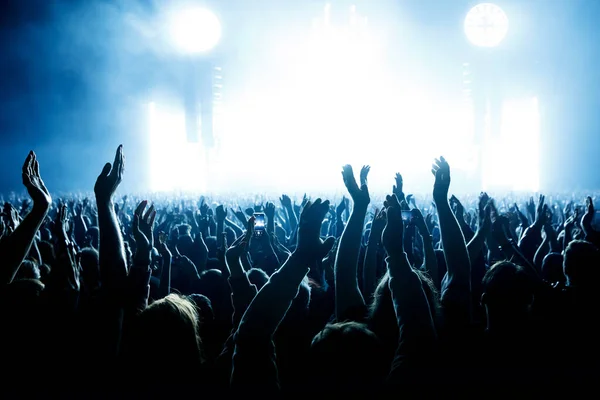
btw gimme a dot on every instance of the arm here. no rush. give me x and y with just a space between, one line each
370 263
455 249
139 275
238 231
286 202
532 237
477 243
430 262
113 266
16 246
253 361
417 333
347 294
221 214
270 214
165 276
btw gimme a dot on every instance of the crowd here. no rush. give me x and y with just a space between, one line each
119 295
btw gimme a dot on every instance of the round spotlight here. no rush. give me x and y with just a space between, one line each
486 25
195 31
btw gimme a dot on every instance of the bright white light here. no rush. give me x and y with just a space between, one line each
486 25
195 30
175 164
519 134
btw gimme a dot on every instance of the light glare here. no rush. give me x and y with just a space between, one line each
486 25
195 31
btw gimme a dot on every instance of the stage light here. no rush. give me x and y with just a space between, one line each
486 25
195 30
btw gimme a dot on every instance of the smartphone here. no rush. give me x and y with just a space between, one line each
259 223
406 215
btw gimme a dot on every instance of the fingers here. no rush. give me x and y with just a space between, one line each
136 224
140 208
27 164
364 172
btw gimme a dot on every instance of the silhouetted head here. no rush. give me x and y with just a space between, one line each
507 291
347 356
89 260
91 237
46 252
167 335
28 270
581 264
257 277
552 268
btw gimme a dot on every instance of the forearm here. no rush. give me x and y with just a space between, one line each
271 225
113 264
165 277
339 226
80 230
272 302
16 247
530 241
238 231
416 327
476 245
139 286
370 269
540 254
292 219
219 234
347 293
455 248
430 262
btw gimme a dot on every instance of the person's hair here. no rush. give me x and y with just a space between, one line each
382 316
257 277
28 270
347 355
46 252
581 264
552 268
167 333
45 270
89 259
506 285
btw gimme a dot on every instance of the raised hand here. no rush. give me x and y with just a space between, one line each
457 207
441 170
485 219
530 206
221 213
393 233
285 201
11 217
240 215
61 225
379 220
143 227
341 207
360 195
397 188
204 208
499 232
310 246
270 210
109 179
34 184
418 220
541 213
588 217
